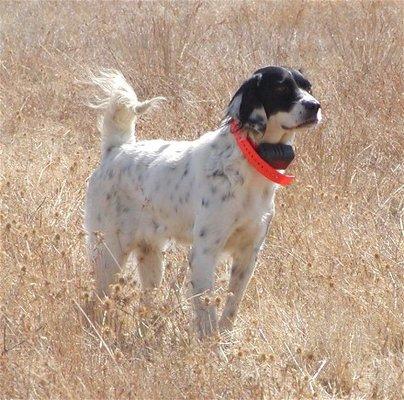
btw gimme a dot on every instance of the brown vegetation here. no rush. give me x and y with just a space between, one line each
323 316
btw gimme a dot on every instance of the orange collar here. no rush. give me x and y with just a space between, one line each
259 164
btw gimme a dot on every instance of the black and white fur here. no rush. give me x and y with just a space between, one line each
202 192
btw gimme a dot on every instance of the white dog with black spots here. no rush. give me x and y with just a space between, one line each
201 193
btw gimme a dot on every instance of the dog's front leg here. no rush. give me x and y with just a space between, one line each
242 269
203 264
209 239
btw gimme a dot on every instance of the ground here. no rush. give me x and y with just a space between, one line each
323 315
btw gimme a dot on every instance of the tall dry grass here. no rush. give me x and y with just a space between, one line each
323 316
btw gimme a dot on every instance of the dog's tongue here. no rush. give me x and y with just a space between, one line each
278 156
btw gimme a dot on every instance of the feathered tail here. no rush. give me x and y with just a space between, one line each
120 107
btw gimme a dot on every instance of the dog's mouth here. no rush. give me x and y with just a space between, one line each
305 124
314 120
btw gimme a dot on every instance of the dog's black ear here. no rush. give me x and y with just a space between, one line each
247 107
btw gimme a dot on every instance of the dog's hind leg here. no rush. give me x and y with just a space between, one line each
108 258
150 264
150 268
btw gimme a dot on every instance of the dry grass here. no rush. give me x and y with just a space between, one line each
323 316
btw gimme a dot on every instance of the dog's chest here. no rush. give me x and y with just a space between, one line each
257 194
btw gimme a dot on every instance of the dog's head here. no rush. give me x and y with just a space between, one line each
275 98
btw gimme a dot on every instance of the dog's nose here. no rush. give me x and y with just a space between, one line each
312 106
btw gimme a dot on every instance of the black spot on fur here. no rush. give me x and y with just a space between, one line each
205 203
218 172
186 170
108 197
240 178
226 150
155 225
202 232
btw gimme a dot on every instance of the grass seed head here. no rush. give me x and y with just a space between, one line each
107 304
207 300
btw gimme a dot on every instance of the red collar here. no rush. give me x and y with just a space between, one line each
260 165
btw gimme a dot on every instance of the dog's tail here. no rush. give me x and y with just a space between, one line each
120 107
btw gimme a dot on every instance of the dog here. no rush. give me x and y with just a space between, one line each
202 193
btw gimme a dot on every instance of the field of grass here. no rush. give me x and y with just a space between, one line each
323 315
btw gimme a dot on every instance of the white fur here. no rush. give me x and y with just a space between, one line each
199 192
121 107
